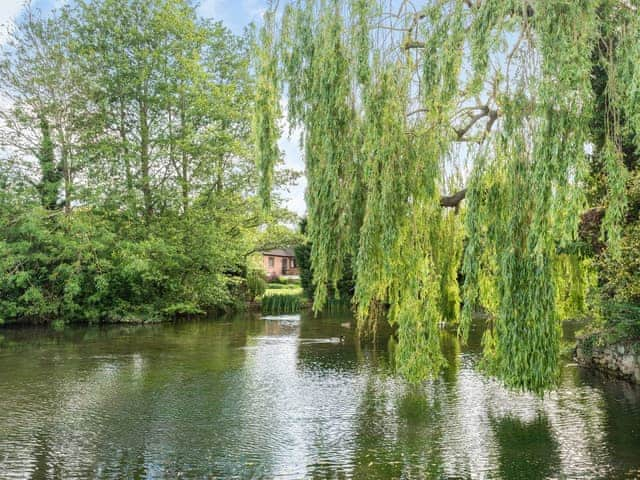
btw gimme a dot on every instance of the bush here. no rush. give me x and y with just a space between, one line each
256 283
285 281
623 320
91 267
620 276
303 260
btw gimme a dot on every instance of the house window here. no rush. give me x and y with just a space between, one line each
271 261
293 263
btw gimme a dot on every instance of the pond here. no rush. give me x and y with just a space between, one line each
247 397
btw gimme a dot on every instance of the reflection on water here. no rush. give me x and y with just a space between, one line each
262 398
526 443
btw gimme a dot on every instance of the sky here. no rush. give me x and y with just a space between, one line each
236 14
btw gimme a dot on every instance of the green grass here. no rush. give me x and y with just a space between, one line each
282 286
286 281
282 291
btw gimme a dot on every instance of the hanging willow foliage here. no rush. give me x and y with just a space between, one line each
267 109
492 98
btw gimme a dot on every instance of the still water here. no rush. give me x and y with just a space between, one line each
253 398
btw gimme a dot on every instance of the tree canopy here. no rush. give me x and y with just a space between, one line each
409 108
129 186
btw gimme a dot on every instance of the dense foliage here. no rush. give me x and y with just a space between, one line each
303 261
129 187
344 289
617 309
408 108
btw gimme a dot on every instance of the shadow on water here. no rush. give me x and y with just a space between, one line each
527 450
621 406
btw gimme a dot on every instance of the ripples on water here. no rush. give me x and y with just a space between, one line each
264 398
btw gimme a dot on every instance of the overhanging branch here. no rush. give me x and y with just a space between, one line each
453 201
484 111
588 229
409 44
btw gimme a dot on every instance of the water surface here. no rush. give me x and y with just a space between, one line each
284 398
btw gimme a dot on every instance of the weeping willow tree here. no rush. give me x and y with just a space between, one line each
454 135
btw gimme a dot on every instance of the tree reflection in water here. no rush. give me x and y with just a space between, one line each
251 398
526 449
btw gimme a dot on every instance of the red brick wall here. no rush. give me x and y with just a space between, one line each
280 266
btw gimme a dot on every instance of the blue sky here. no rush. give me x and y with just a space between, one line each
236 14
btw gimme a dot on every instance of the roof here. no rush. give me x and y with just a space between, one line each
280 252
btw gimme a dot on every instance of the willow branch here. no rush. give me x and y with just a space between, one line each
453 201
409 44
588 229
483 112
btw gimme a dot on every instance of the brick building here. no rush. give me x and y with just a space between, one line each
280 262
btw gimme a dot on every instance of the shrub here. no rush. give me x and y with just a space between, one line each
623 319
92 267
285 281
303 260
256 283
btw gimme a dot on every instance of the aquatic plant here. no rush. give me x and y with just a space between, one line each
280 303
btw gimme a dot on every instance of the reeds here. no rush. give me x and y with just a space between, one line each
280 304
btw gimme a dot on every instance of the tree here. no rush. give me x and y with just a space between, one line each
408 111
344 289
136 117
40 88
49 185
303 261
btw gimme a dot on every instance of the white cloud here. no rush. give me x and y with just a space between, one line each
210 8
255 9
9 9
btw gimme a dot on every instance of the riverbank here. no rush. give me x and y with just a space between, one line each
144 318
619 359
130 318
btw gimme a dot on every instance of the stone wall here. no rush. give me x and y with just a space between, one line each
621 360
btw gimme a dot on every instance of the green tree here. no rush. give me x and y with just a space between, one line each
345 287
410 110
136 117
41 90
51 176
303 261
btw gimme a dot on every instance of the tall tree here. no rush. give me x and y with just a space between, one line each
409 108
40 87
134 116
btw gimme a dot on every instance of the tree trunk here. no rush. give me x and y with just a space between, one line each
184 174
51 175
125 156
144 159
